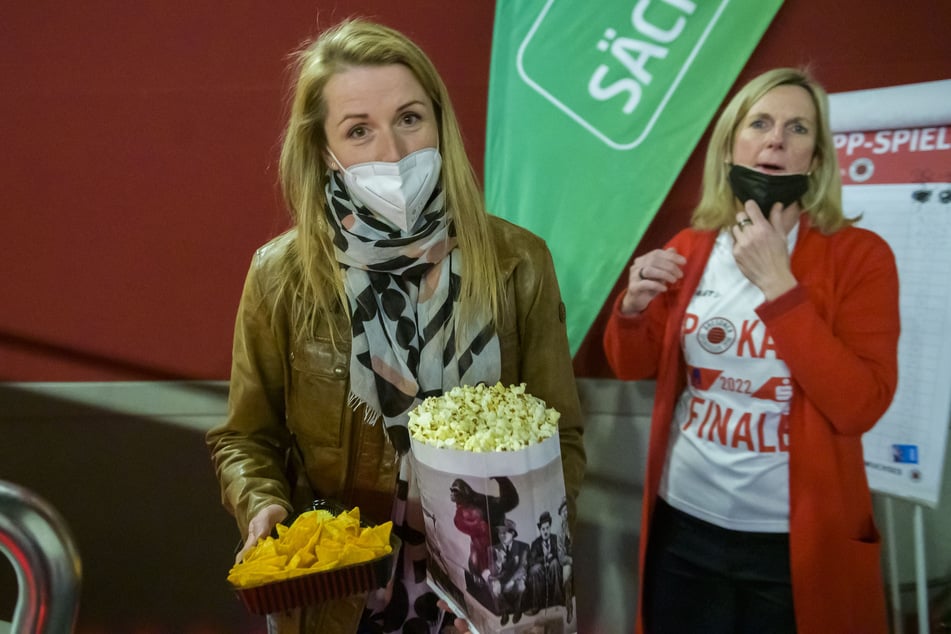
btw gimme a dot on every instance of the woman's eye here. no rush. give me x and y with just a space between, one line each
410 118
357 132
758 124
798 128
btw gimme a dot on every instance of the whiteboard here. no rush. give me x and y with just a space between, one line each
894 150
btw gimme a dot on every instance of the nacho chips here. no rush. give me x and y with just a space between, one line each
316 541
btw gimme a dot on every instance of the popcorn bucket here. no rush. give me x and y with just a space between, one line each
497 536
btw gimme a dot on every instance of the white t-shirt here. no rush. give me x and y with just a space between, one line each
728 461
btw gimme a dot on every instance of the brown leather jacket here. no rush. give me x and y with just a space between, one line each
285 388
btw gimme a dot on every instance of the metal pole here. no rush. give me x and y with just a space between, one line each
921 582
892 550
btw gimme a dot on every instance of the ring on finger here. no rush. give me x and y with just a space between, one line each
745 221
640 274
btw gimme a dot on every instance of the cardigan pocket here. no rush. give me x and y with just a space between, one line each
860 579
863 557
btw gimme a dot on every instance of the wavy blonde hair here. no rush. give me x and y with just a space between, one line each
822 201
310 278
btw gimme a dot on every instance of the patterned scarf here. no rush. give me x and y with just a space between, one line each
403 289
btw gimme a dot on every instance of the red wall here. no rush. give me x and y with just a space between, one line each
140 140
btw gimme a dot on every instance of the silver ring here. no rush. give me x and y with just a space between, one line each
744 222
640 274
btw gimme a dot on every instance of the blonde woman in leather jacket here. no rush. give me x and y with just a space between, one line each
393 284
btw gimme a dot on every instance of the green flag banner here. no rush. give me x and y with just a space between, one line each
593 109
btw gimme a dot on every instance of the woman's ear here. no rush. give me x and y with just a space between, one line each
331 160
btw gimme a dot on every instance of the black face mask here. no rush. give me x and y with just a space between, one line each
767 189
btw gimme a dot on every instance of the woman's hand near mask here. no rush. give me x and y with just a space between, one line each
760 247
649 276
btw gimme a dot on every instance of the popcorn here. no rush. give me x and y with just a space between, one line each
481 418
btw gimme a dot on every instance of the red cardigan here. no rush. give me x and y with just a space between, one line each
837 331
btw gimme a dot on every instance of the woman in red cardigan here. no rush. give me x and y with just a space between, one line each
771 326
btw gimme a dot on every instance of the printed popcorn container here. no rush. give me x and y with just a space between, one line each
488 466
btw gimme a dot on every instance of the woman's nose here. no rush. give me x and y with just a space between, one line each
390 148
776 137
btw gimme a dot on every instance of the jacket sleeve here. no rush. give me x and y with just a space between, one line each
546 359
248 448
842 351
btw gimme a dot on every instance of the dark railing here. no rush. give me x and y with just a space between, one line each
37 542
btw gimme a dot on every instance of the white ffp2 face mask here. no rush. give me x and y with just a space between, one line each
397 192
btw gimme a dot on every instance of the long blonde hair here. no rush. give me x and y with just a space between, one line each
822 201
310 279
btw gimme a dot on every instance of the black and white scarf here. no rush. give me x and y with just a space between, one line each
403 289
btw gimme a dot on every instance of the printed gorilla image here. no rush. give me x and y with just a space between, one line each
478 515
499 545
